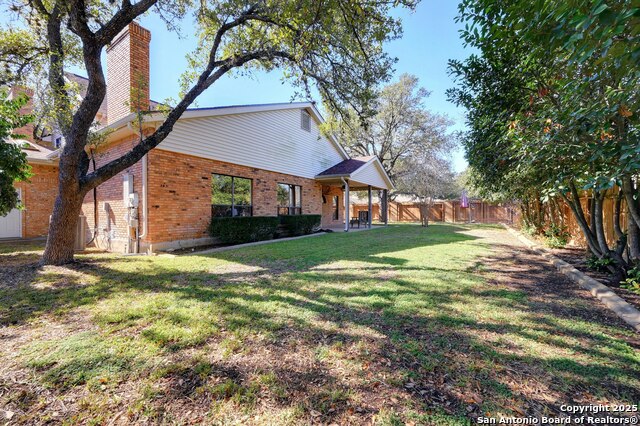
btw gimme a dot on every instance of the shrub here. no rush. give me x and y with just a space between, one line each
238 230
301 224
528 230
556 236
599 264
632 283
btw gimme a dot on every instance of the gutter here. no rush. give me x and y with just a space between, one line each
52 162
321 177
145 172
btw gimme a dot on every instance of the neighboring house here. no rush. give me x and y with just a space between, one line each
261 160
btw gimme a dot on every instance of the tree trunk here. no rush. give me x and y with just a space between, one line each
633 236
64 220
384 206
632 204
62 229
598 222
618 270
616 215
578 213
592 212
426 213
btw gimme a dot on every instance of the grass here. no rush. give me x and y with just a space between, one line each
395 325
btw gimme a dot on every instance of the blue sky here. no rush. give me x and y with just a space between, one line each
430 40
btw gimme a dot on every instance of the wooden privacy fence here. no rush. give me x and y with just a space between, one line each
608 208
444 211
484 212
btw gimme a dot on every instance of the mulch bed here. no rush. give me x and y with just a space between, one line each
577 257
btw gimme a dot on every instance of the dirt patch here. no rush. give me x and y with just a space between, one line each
521 268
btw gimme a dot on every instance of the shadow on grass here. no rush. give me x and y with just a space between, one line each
417 318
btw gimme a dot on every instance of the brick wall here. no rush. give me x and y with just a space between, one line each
179 197
112 211
38 195
327 208
180 194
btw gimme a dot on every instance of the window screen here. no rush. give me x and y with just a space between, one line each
230 196
289 199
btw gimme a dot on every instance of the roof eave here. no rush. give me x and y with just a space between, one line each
384 172
42 161
333 176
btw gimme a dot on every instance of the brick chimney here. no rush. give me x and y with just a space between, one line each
128 72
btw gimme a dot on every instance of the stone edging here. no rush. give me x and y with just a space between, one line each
619 306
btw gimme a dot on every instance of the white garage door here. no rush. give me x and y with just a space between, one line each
11 224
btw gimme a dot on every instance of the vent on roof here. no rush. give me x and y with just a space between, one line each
305 121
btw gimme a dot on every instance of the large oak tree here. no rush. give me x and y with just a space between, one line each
336 45
401 132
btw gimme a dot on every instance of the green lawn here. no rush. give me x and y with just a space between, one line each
401 324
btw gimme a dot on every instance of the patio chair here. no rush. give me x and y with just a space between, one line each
363 218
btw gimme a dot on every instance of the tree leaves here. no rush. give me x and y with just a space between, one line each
403 134
13 161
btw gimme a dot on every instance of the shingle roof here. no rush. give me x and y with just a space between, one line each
346 167
247 106
33 150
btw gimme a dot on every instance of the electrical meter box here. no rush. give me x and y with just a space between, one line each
133 200
127 187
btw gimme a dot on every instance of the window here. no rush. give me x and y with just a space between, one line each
58 142
289 199
305 121
336 211
230 196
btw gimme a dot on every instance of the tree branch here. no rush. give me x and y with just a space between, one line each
205 80
121 19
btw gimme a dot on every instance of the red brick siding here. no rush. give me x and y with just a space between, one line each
179 196
110 192
38 196
327 208
180 193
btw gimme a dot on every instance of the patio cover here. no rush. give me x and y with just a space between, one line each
360 172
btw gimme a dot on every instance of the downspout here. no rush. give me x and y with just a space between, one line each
95 203
145 172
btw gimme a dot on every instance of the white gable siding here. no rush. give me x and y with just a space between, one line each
269 140
370 174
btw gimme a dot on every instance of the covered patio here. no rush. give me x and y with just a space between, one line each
359 174
353 228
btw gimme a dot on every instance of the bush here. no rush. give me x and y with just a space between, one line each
529 229
632 283
238 230
301 224
556 236
598 264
